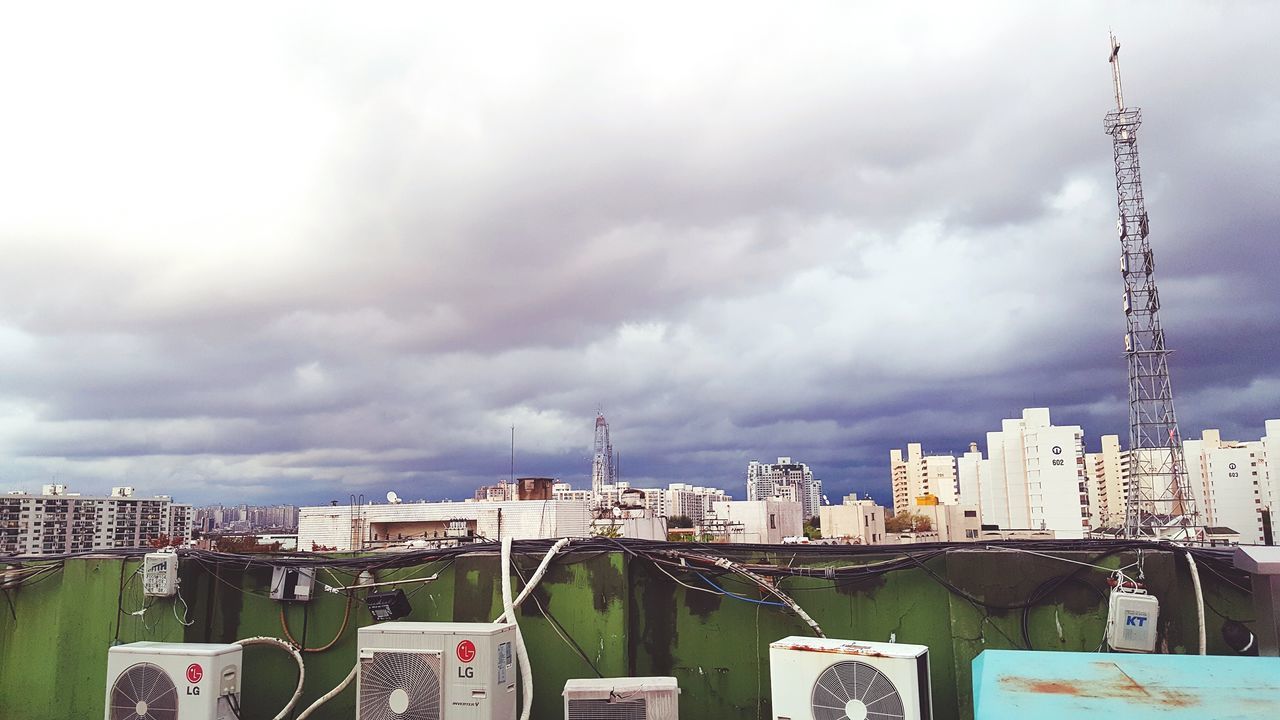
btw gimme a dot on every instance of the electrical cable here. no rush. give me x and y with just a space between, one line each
1195 580
537 575
284 625
561 630
297 656
708 581
509 613
331 694
186 611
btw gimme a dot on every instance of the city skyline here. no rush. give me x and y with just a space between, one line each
350 256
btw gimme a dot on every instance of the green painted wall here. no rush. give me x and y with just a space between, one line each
623 614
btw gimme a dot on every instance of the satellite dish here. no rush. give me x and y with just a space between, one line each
393 498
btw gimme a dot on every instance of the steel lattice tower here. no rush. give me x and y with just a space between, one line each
1158 496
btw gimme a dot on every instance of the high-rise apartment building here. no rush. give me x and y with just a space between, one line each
969 476
692 501
918 474
1108 473
1231 483
767 480
60 522
1036 476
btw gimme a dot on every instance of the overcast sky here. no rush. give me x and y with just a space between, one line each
288 252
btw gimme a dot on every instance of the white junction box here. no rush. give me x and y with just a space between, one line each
436 671
160 574
172 681
638 698
829 679
1131 621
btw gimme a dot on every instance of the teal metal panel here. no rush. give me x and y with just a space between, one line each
1011 684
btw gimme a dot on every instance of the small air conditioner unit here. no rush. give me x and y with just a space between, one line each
827 679
436 671
173 681
637 698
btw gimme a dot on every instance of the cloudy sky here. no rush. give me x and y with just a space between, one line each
289 252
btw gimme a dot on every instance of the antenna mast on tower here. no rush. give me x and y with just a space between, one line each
1158 496
603 469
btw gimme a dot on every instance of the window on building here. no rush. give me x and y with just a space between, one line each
971 513
971 533
773 521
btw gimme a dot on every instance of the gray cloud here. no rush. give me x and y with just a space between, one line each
322 253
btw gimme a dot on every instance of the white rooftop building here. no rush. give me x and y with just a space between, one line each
769 480
918 474
344 528
1036 476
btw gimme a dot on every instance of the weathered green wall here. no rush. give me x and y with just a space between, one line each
625 615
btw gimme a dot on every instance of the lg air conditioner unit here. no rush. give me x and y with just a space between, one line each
637 698
826 679
436 671
173 681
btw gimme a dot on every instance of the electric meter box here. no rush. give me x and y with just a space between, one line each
160 574
1131 621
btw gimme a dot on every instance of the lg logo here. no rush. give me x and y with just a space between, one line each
194 673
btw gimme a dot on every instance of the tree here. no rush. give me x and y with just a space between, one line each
907 522
244 544
606 531
813 528
679 521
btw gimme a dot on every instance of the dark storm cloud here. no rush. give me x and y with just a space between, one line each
350 255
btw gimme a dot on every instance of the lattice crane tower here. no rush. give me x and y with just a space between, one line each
1158 495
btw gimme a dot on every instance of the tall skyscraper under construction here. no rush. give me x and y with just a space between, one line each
604 470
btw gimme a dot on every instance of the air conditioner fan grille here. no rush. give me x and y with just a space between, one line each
400 686
144 692
853 690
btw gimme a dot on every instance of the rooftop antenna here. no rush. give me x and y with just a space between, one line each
1115 72
513 454
393 498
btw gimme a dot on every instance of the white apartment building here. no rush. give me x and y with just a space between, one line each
918 474
692 501
755 521
57 521
766 480
1108 471
861 521
969 476
1035 476
952 523
1229 481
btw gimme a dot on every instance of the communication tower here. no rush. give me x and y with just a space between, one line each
1158 499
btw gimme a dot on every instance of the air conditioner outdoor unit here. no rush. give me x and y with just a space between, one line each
173 681
436 671
827 679
637 698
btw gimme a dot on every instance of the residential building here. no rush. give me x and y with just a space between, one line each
951 522
692 501
755 521
859 521
1036 476
58 521
1108 475
1227 479
969 476
918 474
768 480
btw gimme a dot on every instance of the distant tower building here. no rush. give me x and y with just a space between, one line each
603 468
785 479
1159 495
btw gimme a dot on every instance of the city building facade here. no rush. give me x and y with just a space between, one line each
917 474
770 480
861 522
1036 477
57 521
1230 481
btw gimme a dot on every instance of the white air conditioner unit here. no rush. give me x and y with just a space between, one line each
637 698
827 679
173 681
436 671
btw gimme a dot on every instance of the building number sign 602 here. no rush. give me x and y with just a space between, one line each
1057 450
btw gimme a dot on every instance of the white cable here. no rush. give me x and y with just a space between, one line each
536 577
331 694
1195 580
297 656
509 612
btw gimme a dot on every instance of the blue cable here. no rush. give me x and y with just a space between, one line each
707 580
